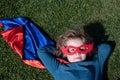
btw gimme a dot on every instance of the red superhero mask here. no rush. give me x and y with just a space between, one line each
83 49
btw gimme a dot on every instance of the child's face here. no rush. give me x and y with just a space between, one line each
77 56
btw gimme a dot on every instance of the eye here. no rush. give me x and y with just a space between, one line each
83 48
71 49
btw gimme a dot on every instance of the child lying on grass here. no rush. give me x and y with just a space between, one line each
76 56
84 60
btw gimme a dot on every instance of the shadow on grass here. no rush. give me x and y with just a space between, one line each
118 79
97 31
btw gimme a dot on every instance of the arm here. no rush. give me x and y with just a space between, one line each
103 52
48 59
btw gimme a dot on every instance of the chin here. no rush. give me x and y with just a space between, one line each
77 60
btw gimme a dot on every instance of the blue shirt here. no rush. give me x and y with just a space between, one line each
85 70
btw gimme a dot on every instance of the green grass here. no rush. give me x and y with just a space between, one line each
55 17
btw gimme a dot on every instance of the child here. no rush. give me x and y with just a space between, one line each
75 58
77 50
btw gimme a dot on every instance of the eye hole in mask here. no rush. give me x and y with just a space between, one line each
83 49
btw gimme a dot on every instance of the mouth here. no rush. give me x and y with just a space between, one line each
78 58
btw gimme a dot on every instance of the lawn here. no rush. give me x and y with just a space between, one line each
55 17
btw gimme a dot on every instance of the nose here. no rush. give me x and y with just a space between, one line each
77 54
